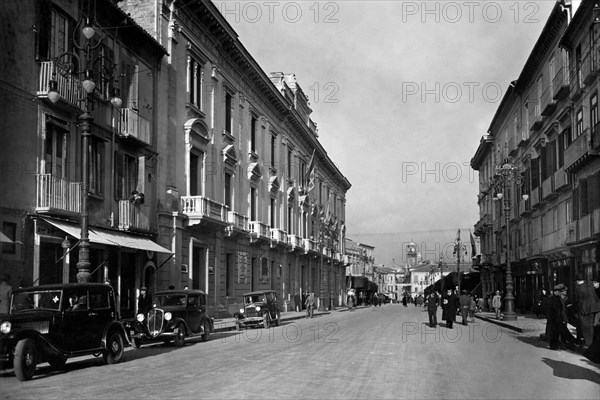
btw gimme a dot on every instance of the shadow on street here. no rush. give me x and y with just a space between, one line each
567 370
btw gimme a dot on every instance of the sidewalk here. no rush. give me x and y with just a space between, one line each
525 323
228 324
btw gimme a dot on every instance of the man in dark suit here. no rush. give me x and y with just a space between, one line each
587 305
144 301
432 305
556 326
449 307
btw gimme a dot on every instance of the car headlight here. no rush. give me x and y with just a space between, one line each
257 308
140 317
241 310
5 327
168 316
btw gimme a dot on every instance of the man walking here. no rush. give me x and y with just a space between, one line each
556 326
497 303
449 307
432 305
587 305
464 301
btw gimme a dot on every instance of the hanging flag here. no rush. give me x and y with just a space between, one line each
310 173
458 235
473 247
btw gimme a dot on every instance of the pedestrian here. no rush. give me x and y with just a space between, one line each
432 304
144 301
297 302
310 305
351 298
464 301
556 327
5 291
404 300
472 308
375 300
449 306
497 303
480 304
587 305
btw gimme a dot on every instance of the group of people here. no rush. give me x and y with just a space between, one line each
452 305
586 311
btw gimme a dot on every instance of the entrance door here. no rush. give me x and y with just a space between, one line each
199 269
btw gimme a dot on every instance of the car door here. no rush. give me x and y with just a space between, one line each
100 315
76 321
193 314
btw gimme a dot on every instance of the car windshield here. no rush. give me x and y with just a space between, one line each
36 300
169 300
255 298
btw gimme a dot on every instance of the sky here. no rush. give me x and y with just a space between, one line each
401 92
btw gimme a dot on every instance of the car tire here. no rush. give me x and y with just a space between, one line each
179 339
136 343
267 321
278 320
57 362
113 354
206 333
26 358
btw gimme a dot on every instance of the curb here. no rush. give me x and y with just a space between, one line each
226 326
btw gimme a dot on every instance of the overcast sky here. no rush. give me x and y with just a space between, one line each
402 92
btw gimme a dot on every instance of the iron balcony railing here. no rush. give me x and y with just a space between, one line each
133 216
57 193
200 207
134 125
69 87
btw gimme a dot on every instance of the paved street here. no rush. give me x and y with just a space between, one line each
384 352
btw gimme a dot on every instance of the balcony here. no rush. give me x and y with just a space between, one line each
295 241
548 188
134 126
535 117
554 240
309 245
55 194
69 88
278 236
548 102
259 231
484 223
535 248
579 151
524 139
561 180
512 146
524 207
571 232
203 211
133 217
561 84
589 67
524 251
535 198
238 223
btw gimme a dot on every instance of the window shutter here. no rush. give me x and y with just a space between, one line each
42 34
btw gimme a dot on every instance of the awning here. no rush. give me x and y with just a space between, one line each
109 238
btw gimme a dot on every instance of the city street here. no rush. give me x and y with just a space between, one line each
383 352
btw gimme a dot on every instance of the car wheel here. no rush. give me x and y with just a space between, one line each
267 320
57 362
206 333
180 337
278 320
26 357
114 348
136 343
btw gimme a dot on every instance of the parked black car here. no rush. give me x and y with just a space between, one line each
50 323
175 315
260 308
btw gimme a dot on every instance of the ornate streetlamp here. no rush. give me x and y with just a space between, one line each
508 174
85 64
459 249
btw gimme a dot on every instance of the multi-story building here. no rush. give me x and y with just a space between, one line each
248 199
47 119
544 128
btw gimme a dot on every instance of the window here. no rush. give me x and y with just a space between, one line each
55 150
227 193
9 230
196 172
302 174
562 139
59 34
195 82
579 124
290 220
272 213
289 163
273 142
578 66
253 123
129 82
126 173
96 166
228 112
252 204
594 110
583 197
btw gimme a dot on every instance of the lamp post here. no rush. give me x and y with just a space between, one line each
441 264
459 248
508 173
83 64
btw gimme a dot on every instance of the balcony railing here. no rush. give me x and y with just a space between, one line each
554 240
561 84
133 216
571 232
237 221
579 149
548 102
584 230
309 245
589 67
524 206
55 193
535 117
134 125
596 137
200 207
535 197
278 235
259 229
561 179
294 241
596 221
69 88
548 187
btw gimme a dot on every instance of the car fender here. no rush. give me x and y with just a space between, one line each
118 326
45 347
210 320
176 321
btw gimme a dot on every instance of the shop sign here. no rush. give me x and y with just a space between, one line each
47 230
560 263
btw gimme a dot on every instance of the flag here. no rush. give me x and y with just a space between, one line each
328 208
458 235
473 247
310 173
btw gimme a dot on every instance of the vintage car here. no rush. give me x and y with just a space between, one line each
51 323
175 315
260 309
